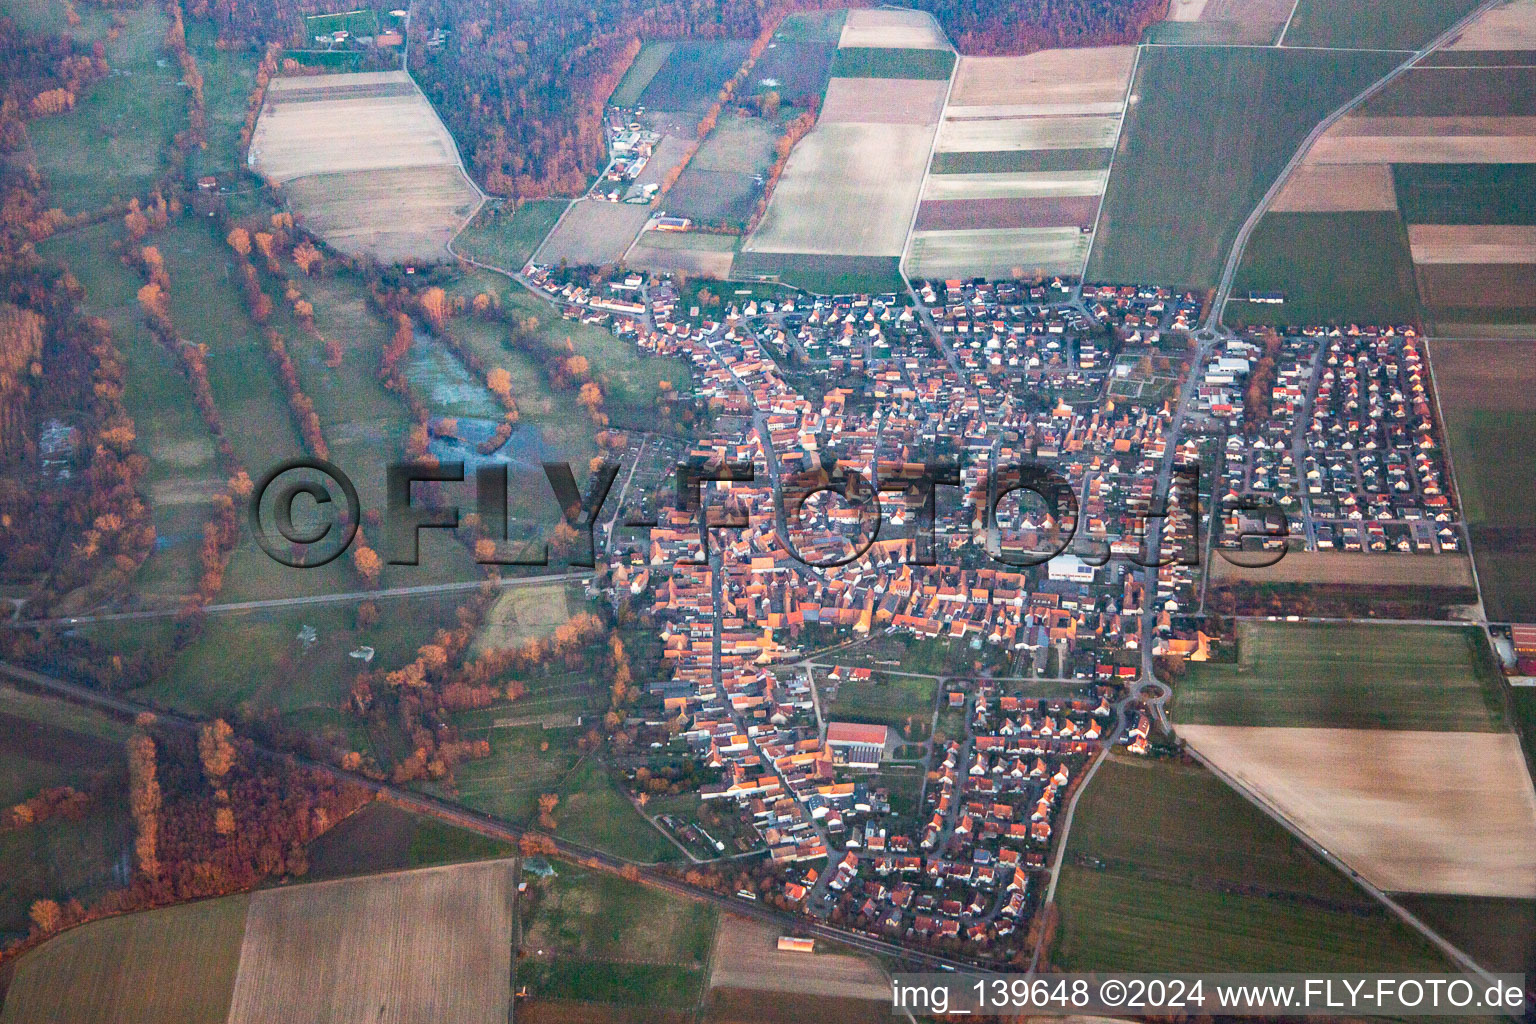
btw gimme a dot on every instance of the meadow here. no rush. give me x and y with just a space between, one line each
506 237
892 701
1212 128
134 969
1347 676
1169 870
383 837
1334 268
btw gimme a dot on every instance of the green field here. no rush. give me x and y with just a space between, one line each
521 766
1334 268
594 812
1500 934
1213 128
1401 25
382 837
1168 870
892 62
228 78
176 964
1021 161
113 144
598 938
1466 193
1491 480
647 62
895 701
507 238
362 22
1355 676
1211 33
821 274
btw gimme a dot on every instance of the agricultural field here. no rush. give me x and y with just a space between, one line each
1334 268
1435 812
1169 870
176 964
1509 28
341 950
646 64
1485 390
1212 127
592 938
691 74
382 837
112 145
1019 165
1359 568
798 61
722 182
593 231
366 162
694 253
1203 22
1364 676
1406 25
821 274
747 968
1500 934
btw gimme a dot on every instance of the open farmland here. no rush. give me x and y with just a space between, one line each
176 964
1486 391
1360 568
646 64
366 162
895 29
1168 869
798 61
1334 268
1252 22
1365 676
1337 188
593 231
1212 127
695 253
421 946
746 957
1440 812
1508 27
692 73
1403 25
722 182
1017 174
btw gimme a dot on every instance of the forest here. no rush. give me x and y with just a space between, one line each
522 84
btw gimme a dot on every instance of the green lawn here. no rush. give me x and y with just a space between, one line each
892 62
113 144
1365 676
1334 268
507 237
176 964
1402 25
1212 129
1169 870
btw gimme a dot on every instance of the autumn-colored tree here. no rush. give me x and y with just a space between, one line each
434 307
46 916
216 750
547 804
239 240
144 800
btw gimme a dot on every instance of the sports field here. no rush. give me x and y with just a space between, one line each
1212 126
1167 869
422 946
366 162
176 964
1348 676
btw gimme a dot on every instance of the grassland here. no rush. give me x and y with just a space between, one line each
382 837
1169 870
1212 129
135 969
1405 25
526 760
431 945
593 812
507 238
228 78
892 62
1334 268
798 62
820 273
112 145
1364 676
523 613
692 73
894 701
646 63
593 937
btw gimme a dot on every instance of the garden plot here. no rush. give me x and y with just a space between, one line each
366 162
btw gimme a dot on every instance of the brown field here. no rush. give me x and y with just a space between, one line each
365 162
1337 188
1495 376
1333 567
912 30
847 189
1365 139
593 231
427 206
671 151
567 1011
883 101
1441 812
1470 124
1009 185
746 957
1094 75
418 946
747 1006
1095 131
1509 27
997 252
1477 285
1472 243
960 214
701 259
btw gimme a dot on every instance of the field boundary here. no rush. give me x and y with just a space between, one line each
1125 110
